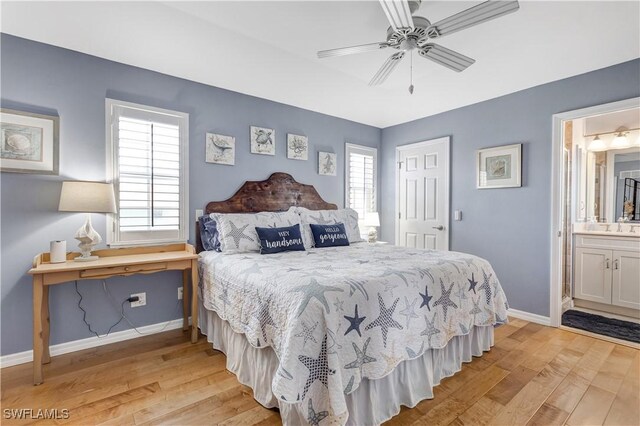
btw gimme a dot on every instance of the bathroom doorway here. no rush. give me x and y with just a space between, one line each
595 252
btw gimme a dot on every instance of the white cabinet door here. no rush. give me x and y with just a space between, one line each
626 279
593 274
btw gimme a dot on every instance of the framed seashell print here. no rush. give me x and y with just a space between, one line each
499 167
29 143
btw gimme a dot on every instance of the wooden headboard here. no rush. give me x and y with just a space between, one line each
276 194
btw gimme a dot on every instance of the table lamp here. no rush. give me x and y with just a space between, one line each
372 220
87 197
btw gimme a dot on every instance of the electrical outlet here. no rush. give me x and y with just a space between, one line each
142 300
179 293
199 213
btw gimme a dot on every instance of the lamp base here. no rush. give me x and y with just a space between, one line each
373 235
86 259
88 238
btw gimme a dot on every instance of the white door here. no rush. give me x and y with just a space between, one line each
626 279
593 274
423 195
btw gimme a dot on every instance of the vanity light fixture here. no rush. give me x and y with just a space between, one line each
597 144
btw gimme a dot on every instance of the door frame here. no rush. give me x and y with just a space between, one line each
558 196
447 180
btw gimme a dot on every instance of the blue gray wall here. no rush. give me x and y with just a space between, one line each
510 227
45 79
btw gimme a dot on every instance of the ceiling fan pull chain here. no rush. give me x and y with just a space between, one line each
411 78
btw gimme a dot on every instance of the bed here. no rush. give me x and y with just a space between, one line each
342 335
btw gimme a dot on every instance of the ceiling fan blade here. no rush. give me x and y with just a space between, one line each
472 16
398 13
352 49
446 57
386 68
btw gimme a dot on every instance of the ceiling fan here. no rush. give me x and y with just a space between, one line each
408 33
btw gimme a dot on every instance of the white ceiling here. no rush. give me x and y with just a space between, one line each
267 48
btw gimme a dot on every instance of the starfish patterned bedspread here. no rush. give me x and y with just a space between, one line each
337 315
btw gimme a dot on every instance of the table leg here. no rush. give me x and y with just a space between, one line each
185 300
37 329
46 358
194 301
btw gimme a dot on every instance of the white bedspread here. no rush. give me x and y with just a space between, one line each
336 315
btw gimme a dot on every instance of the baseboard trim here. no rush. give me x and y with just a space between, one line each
92 342
528 316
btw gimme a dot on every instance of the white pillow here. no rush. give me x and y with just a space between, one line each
238 230
326 217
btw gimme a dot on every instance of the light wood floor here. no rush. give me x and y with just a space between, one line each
534 375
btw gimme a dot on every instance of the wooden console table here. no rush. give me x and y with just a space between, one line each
112 262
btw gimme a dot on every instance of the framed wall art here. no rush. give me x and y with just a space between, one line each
220 149
327 163
29 143
297 147
263 141
499 167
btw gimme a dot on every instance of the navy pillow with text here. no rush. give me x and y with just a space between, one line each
276 240
329 235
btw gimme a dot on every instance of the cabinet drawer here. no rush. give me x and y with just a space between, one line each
604 242
128 269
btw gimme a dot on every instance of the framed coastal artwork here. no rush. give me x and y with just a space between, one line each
327 163
220 149
29 142
263 141
499 167
297 147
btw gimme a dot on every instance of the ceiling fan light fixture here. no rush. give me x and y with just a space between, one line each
597 144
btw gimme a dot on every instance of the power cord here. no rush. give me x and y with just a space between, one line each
84 315
115 303
122 314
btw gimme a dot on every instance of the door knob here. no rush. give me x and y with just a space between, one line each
439 227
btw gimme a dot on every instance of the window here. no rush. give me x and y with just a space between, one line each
147 161
361 179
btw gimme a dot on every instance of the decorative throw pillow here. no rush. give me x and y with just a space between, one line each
276 240
238 230
348 217
329 235
209 232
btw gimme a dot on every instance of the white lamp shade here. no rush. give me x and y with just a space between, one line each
87 197
372 219
620 141
597 144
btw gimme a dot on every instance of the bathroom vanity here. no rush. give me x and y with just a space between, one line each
607 268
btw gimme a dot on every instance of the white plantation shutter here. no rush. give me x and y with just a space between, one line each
361 179
148 156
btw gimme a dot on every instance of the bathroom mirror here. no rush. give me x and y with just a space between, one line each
609 189
604 151
626 183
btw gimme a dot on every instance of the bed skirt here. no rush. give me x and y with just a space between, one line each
374 401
